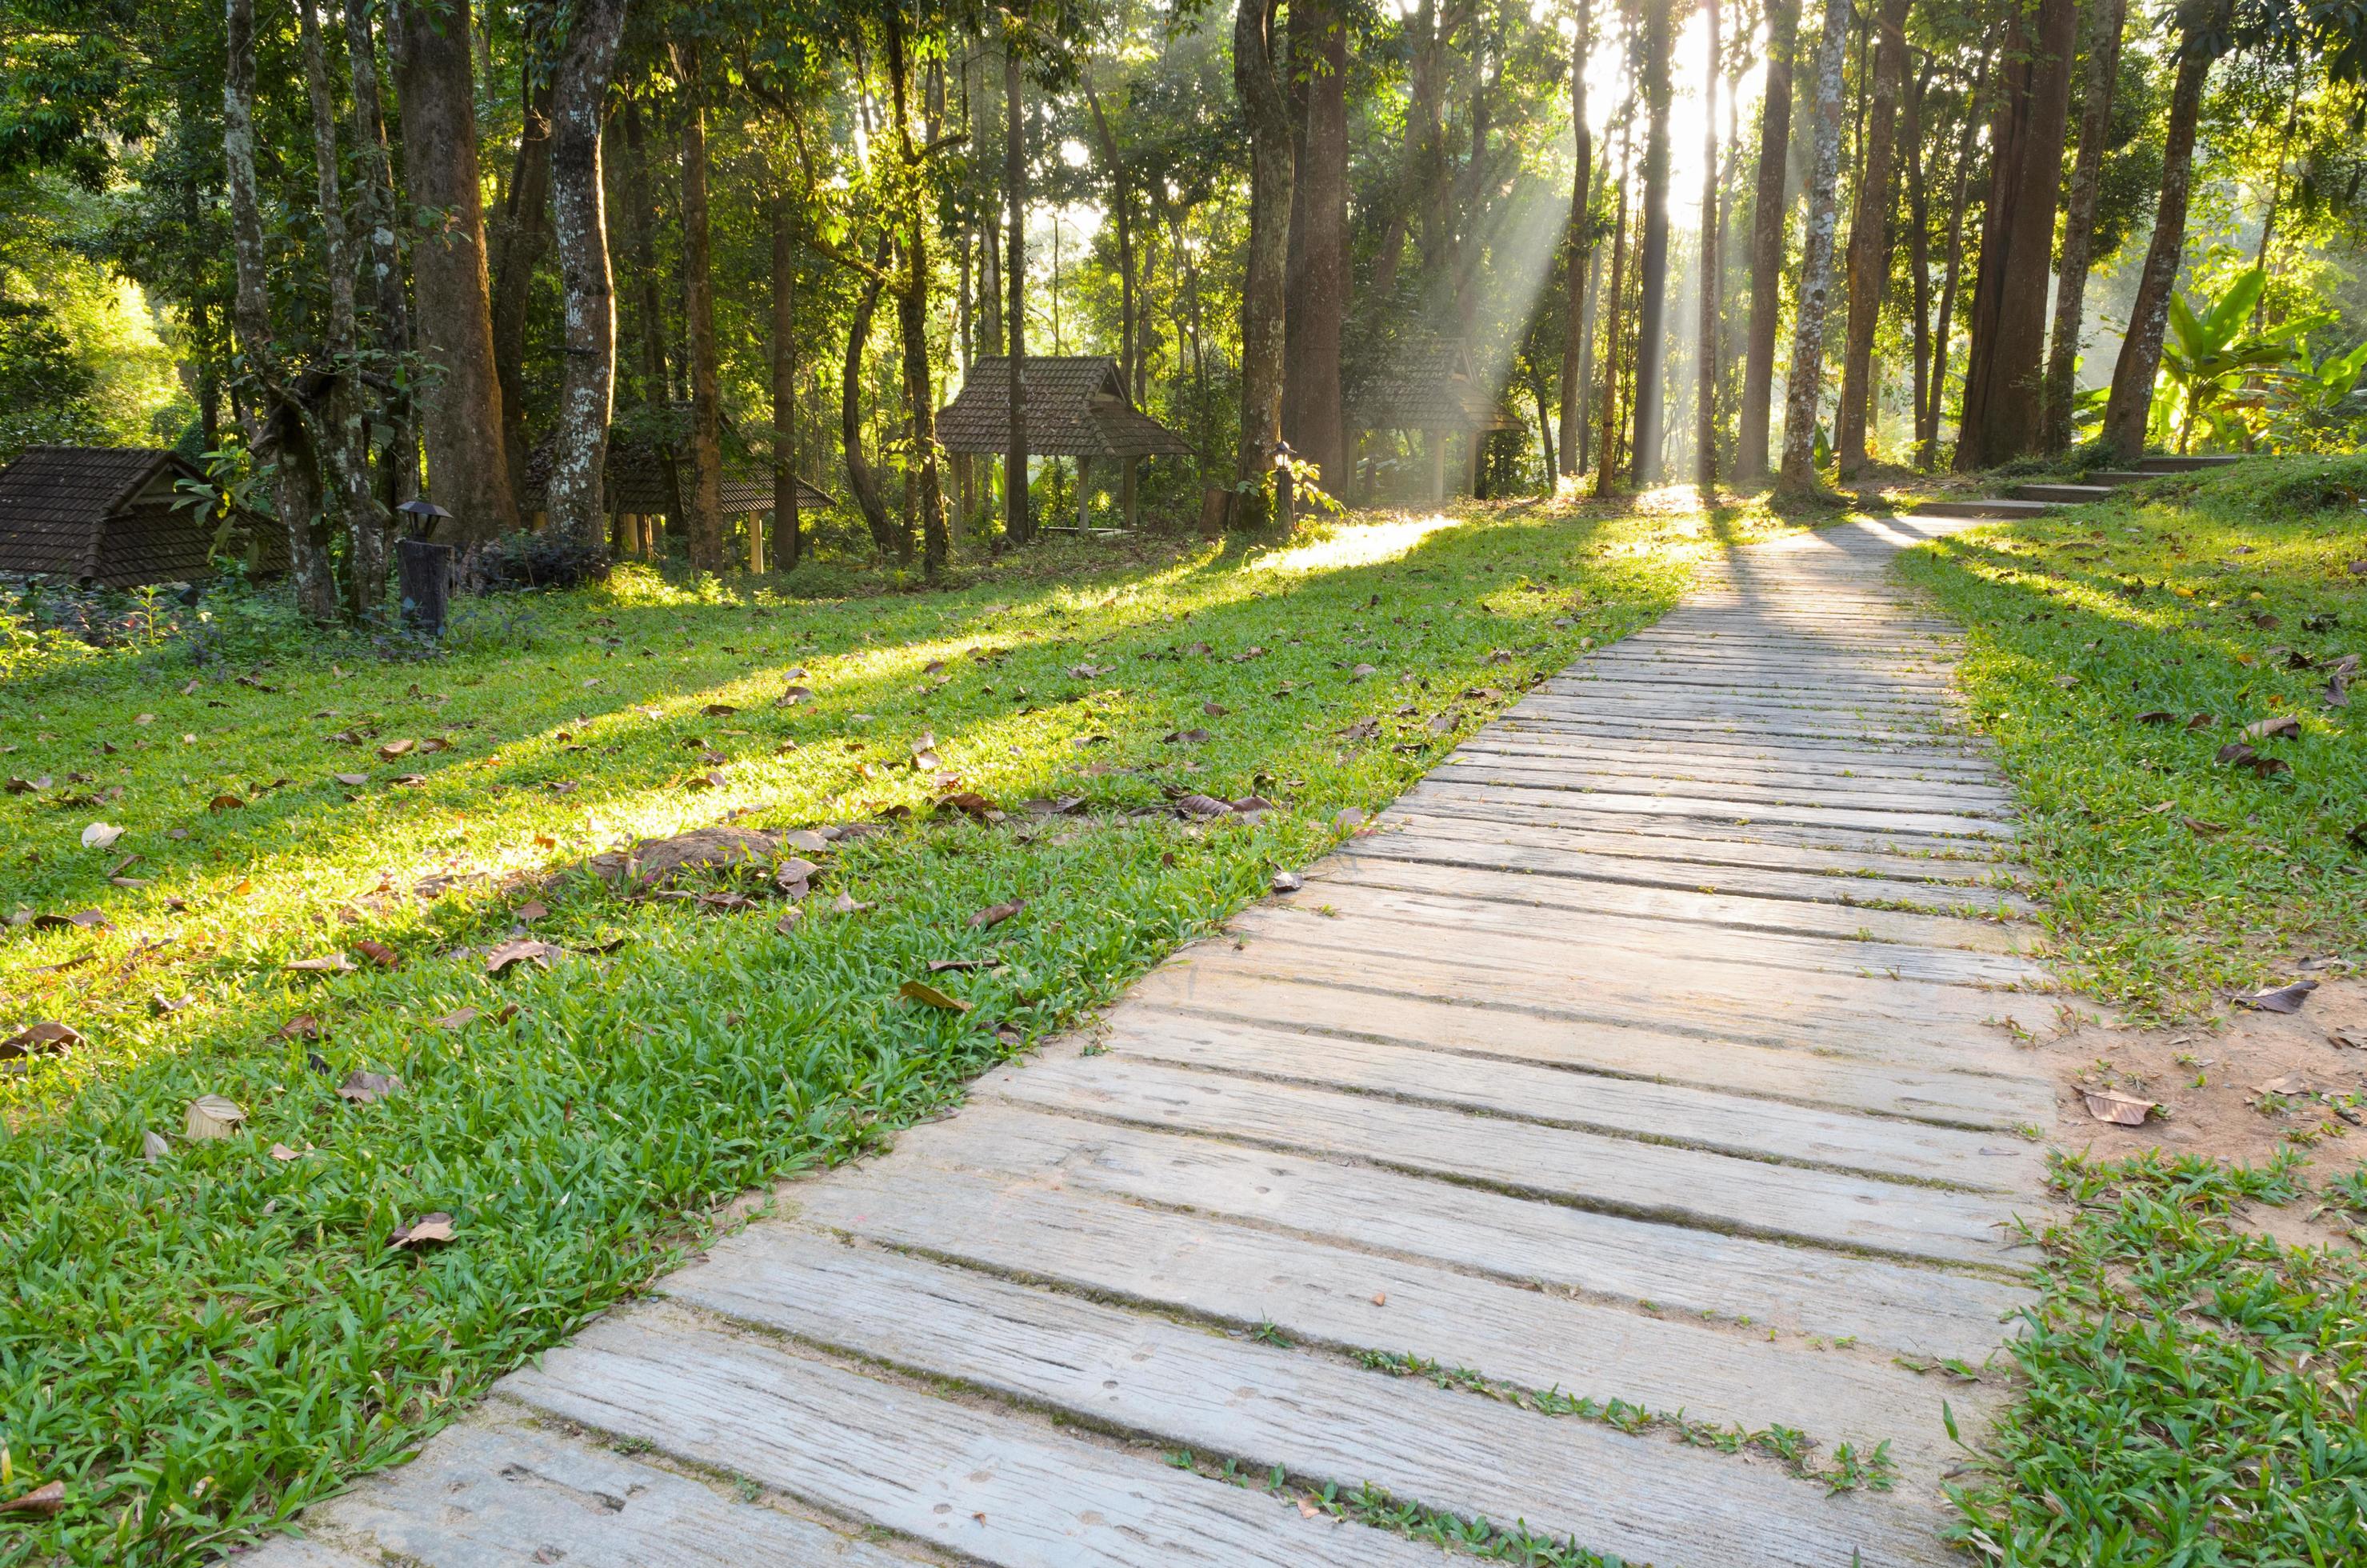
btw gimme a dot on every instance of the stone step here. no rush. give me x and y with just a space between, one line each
2114 478
2184 465
2067 494
1992 509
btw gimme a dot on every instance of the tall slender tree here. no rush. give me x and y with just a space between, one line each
1769 212
468 462
1713 264
2106 21
1804 385
1018 524
1258 78
1653 257
703 503
1870 240
787 525
390 298
2002 366
576 494
1316 295
1578 248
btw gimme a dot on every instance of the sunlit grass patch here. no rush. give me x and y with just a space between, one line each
199 1342
2116 650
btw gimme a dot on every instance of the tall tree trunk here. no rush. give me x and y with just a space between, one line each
1869 249
2106 21
1422 28
1129 328
788 535
1767 225
1607 457
2131 403
861 480
518 247
390 295
270 414
1018 524
1576 414
1919 240
1712 262
1926 454
1803 383
342 425
924 483
1267 111
1578 252
1315 309
468 461
577 494
2003 374
705 501
1652 259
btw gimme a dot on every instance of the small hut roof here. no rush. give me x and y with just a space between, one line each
1077 407
1427 384
635 478
107 515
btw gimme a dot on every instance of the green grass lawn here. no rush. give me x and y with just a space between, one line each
2097 637
196 1344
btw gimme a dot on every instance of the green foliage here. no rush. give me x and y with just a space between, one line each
2189 1386
2166 874
2208 356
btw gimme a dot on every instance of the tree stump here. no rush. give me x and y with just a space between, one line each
426 579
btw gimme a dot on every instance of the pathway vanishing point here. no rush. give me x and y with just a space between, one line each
1645 1051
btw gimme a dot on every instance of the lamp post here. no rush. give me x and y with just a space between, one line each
424 569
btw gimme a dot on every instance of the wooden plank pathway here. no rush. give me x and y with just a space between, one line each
1645 1051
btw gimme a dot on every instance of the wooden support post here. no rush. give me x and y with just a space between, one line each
1436 441
757 542
1130 486
1084 512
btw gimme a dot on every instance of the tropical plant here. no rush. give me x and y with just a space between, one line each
2210 355
2321 407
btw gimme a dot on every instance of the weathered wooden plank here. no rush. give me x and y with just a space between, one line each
1487 766
1324 1293
1535 877
989 1485
1643 1498
1946 1093
1913 778
1687 820
1670 1185
1589 935
1686 1116
1511 784
498 1490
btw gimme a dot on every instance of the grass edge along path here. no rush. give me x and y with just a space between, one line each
196 1345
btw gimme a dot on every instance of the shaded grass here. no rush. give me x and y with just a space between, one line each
199 1344
2167 875
2192 1387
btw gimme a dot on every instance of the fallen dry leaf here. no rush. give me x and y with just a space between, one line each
2269 728
1288 881
2279 998
80 920
225 802
1361 671
393 749
718 709
283 1154
210 1116
351 780
1362 730
1202 806
369 1088
921 991
1349 816
303 1026
152 1146
379 953
100 835
2157 716
39 1040
2121 1110
327 963
532 909
428 1230
2351 1040
520 951
1380 1298
43 1502
846 903
458 1018
2284 1084
787 923
994 914
1214 710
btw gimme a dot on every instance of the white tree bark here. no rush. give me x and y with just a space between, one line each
577 498
1805 381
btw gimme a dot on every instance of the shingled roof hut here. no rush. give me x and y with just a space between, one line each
112 516
1077 407
1426 384
634 483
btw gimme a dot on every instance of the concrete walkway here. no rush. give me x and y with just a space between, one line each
1645 1051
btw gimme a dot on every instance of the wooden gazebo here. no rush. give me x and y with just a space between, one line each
1077 407
634 484
114 517
1426 384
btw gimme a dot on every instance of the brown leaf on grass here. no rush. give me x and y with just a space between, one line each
847 903
351 780
327 963
708 781
42 1503
1349 816
428 1230
2121 1110
81 920
718 709
39 1040
457 1019
1248 804
2237 752
2357 837
283 1154
1286 881
393 749
2202 829
1066 806
1186 737
2284 725
1442 724
970 803
2279 998
2203 722
2359 568
369 1088
152 1146
787 923
210 1116
1362 730
961 966
923 991
1214 710
408 778
2338 690
2157 716
924 755
994 914
29 786
1202 806
225 802
303 1026
164 1007
792 696
100 835
522 950
2267 766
